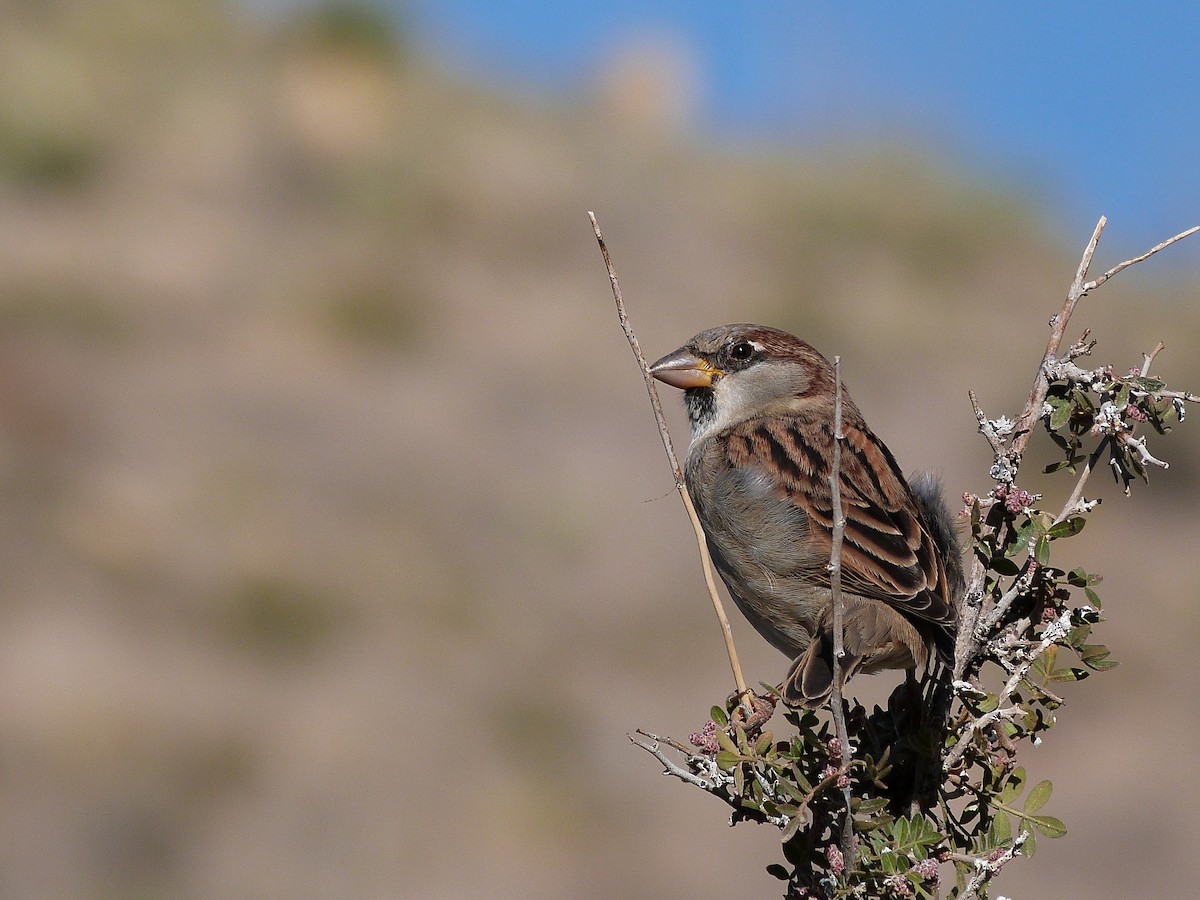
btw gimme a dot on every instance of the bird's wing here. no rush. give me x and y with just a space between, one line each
887 553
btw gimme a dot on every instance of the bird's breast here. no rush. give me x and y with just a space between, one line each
761 545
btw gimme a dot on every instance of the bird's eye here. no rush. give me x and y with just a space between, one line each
741 351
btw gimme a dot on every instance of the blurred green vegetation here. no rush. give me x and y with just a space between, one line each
279 617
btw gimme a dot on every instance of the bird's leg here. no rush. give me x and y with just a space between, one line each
752 723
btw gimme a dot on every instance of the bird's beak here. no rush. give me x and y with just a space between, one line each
684 369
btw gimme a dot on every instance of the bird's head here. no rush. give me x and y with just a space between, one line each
736 372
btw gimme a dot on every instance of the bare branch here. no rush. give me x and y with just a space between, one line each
1082 347
680 486
1148 358
1058 327
965 645
986 427
1019 586
1166 395
1120 267
835 583
1051 634
670 767
1072 504
1138 446
974 727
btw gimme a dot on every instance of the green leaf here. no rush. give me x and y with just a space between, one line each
1001 831
743 742
726 741
795 823
756 791
785 785
1021 539
1041 550
1067 528
727 759
799 780
778 871
1150 384
1003 566
1085 403
866 807
866 826
1077 636
718 715
988 703
1038 796
1077 577
1049 826
1090 653
1060 414
1016 784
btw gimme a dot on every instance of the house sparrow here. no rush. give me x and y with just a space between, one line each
761 407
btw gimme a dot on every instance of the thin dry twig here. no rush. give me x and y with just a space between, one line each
1119 267
973 728
986 428
670 767
1019 586
969 609
1148 358
835 583
1058 326
1072 504
680 485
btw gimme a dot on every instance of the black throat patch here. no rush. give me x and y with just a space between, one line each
701 407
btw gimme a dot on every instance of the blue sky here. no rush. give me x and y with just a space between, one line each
1090 107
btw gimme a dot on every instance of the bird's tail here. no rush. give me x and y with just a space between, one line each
809 681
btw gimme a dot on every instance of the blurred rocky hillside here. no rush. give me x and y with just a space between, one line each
338 552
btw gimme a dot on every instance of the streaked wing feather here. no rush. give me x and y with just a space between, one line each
886 552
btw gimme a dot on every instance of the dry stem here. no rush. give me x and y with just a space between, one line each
1058 327
670 767
1072 503
835 583
680 486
